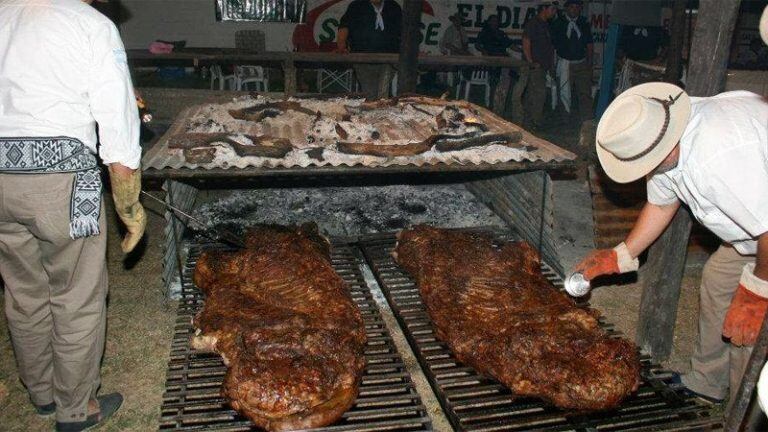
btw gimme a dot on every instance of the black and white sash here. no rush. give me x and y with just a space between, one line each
60 155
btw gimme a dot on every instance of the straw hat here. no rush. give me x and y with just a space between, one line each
764 25
640 128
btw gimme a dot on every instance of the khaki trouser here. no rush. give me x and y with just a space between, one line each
55 292
374 79
536 95
716 365
580 76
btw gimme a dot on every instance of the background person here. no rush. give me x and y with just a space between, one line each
371 26
540 54
64 70
572 37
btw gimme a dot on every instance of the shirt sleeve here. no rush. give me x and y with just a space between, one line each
741 193
588 32
111 97
659 192
344 21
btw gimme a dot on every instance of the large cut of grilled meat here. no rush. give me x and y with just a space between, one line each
286 326
497 313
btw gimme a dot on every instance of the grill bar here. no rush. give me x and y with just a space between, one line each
473 402
387 401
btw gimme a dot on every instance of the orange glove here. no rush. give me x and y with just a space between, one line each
747 311
607 261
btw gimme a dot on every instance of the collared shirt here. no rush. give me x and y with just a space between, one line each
574 47
542 50
63 68
722 173
364 34
454 40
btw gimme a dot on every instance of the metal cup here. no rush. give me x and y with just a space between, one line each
576 285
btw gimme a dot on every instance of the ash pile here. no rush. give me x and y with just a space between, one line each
348 211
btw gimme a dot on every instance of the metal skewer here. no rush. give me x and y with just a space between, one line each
224 234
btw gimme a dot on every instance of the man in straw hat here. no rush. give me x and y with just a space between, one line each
64 69
712 155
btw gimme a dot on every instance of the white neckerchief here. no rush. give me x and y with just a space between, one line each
379 19
572 27
641 30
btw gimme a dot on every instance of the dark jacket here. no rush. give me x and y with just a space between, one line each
360 19
575 47
493 42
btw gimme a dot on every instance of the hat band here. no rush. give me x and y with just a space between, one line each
667 116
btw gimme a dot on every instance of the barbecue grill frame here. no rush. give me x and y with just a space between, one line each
402 294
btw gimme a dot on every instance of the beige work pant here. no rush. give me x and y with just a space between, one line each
55 292
375 79
716 365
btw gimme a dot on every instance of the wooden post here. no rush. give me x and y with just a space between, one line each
663 273
289 74
409 47
674 66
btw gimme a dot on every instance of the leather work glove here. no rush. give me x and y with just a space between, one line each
747 310
606 262
125 192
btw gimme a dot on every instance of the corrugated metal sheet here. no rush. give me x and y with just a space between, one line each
530 148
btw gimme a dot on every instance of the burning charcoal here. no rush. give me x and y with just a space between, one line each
413 207
310 139
396 223
200 155
316 153
456 143
263 147
375 135
341 132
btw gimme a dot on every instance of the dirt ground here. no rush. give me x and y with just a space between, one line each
140 321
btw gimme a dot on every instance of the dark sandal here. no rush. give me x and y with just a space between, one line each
108 405
46 410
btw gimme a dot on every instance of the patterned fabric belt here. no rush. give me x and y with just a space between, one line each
60 155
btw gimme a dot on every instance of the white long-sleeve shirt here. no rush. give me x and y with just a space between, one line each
63 68
722 173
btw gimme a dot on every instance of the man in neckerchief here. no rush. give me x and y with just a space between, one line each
572 37
710 154
371 26
64 70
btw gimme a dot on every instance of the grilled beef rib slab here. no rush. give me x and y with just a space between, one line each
496 311
286 327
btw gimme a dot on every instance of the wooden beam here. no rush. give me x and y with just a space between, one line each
410 38
674 66
662 275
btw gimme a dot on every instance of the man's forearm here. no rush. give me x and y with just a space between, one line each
527 50
653 220
341 38
761 262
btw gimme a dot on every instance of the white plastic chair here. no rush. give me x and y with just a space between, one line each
328 77
479 77
218 74
251 75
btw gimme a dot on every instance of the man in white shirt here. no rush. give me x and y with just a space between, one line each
712 155
63 69
454 40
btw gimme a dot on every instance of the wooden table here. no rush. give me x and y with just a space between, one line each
506 93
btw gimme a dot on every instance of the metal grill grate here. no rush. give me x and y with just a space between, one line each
387 400
473 402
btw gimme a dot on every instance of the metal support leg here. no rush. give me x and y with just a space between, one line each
183 197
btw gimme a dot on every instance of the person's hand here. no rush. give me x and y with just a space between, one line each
606 262
747 311
126 187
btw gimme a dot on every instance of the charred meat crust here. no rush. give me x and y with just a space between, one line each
286 327
498 314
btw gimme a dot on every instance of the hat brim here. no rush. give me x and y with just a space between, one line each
628 171
764 25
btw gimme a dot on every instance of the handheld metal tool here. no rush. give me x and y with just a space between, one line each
222 234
